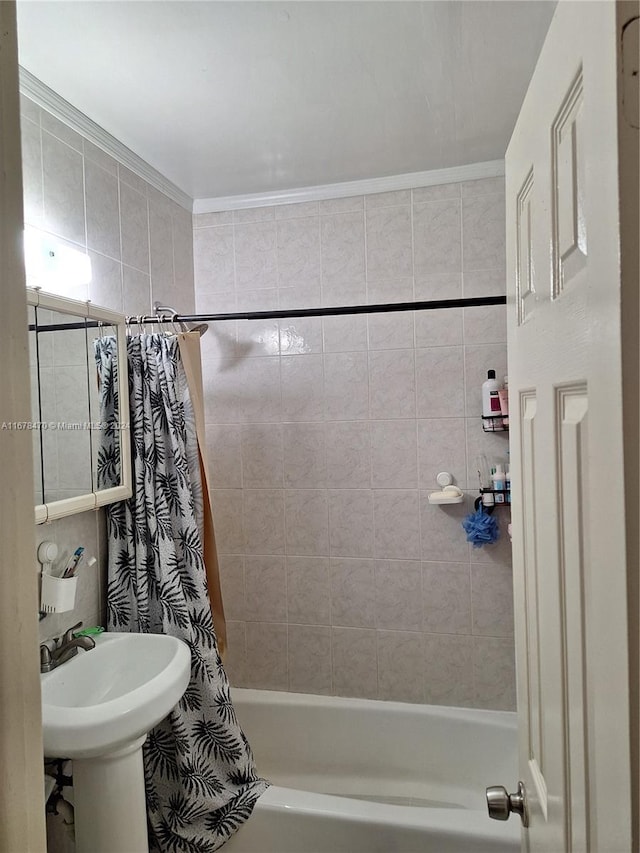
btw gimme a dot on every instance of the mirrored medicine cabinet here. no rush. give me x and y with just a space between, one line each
73 443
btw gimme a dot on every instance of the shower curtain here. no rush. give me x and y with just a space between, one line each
201 781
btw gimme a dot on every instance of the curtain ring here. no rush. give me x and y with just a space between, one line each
173 322
100 329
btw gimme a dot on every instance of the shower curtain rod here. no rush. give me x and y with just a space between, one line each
380 308
283 314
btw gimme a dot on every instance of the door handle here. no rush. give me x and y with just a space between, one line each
501 804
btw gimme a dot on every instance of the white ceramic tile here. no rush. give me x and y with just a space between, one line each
397 524
161 257
227 520
263 521
304 456
446 598
60 130
343 293
485 325
348 455
389 199
105 287
345 334
231 567
308 591
256 256
342 246
355 667
478 360
441 447
302 377
219 346
485 282
257 300
351 523
297 210
307 522
259 337
381 291
235 660
74 454
298 251
262 456
224 456
309 659
103 215
136 291
400 666
134 227
220 379
436 230
391 331
394 454
353 593
398 595
132 180
304 294
253 214
63 190
213 260
389 242
445 285
28 109
443 537
346 387
392 387
439 328
492 599
301 336
258 390
32 172
265 589
494 673
72 400
341 205
439 377
498 553
448 670
220 217
483 229
266 665
483 186
439 192
493 445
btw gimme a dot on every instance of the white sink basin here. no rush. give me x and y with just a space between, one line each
106 698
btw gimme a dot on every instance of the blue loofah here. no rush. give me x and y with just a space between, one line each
481 528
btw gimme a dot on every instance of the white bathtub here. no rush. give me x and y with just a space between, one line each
361 776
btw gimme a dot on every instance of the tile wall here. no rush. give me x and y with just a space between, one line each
325 437
141 248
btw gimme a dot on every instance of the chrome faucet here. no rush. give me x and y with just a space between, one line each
63 649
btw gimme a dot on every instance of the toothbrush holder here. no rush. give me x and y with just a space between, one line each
57 595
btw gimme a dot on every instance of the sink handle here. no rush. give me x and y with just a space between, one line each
68 634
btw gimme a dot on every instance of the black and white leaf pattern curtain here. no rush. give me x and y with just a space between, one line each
201 781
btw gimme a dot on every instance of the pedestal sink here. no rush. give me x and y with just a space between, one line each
97 709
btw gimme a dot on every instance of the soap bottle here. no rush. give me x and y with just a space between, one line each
507 483
498 480
490 402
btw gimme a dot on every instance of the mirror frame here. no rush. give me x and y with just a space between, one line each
101 497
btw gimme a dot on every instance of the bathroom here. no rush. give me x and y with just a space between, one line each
325 434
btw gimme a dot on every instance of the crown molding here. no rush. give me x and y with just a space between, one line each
472 172
65 112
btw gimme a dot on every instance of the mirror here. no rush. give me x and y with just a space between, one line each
80 445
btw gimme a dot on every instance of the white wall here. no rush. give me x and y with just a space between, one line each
326 435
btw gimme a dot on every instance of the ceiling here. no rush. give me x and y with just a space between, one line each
228 98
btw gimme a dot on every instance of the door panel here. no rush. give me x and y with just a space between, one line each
564 337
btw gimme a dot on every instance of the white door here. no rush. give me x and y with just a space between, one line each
565 381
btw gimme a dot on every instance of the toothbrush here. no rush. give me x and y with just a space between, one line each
91 562
73 563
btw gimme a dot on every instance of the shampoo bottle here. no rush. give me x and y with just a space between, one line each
499 484
490 401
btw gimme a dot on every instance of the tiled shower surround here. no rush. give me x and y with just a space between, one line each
326 435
